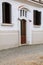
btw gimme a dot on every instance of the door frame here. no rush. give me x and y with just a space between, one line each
19 32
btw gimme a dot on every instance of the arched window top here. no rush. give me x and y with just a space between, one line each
23 10
23 7
23 20
6 3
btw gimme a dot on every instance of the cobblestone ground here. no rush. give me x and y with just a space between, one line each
24 55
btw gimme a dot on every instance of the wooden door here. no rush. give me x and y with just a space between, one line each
23 31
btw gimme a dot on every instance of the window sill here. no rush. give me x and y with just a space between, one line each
4 24
36 26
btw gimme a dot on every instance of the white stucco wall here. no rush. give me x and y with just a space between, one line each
29 26
14 13
16 25
9 34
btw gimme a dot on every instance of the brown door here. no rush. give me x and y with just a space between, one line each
23 31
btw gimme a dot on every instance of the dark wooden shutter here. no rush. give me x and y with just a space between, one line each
6 11
37 17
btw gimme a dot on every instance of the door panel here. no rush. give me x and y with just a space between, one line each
23 31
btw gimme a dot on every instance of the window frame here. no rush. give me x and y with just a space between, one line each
23 13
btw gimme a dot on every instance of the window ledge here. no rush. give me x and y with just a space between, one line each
36 26
4 24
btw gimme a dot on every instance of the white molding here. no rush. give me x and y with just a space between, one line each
4 24
36 3
23 7
36 26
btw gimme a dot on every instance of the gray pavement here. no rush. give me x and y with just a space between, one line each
13 53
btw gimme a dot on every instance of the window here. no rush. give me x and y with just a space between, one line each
37 17
20 12
6 12
23 13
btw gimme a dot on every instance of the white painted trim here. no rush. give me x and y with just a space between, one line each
36 3
4 24
36 26
23 7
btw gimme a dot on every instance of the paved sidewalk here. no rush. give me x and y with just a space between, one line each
22 55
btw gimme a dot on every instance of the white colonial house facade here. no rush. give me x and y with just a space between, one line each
21 23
